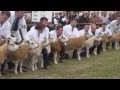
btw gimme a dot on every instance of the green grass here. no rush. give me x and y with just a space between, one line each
104 66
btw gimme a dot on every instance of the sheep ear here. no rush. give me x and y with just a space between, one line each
3 37
62 35
8 41
27 41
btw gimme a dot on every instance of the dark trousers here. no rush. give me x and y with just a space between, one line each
2 67
45 57
107 45
99 48
113 45
74 54
62 53
50 57
10 66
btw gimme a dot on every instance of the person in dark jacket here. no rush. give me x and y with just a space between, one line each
64 19
83 19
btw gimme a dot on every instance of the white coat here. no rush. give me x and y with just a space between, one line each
67 31
21 26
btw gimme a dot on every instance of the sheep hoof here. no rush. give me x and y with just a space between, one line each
16 73
95 53
56 62
21 71
79 59
88 57
33 69
104 50
36 68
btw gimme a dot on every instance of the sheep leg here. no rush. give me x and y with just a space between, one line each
87 52
33 62
55 58
36 64
16 66
116 45
42 63
21 62
78 53
95 51
71 53
104 47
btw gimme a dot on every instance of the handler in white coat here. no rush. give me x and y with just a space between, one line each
18 25
71 30
4 24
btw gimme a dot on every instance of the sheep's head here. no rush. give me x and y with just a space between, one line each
106 38
98 38
52 39
100 34
32 44
11 39
12 46
46 42
87 35
63 39
108 34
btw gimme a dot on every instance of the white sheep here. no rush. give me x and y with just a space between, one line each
56 47
21 54
34 56
116 38
90 42
105 39
76 43
11 39
5 47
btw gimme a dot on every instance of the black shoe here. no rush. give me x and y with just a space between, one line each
24 70
3 74
61 61
45 68
67 56
50 64
74 56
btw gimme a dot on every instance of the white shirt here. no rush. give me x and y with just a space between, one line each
113 26
55 21
96 32
104 19
67 31
46 31
5 29
53 34
82 32
21 26
103 31
34 35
